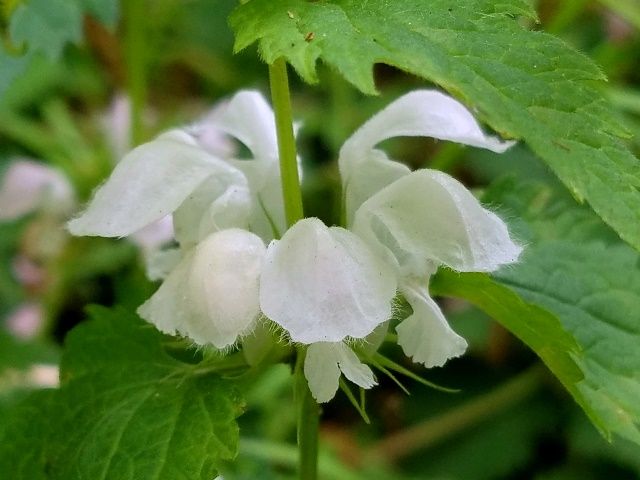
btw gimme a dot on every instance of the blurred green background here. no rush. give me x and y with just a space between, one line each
511 419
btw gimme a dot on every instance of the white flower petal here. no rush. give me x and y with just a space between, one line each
249 118
170 308
154 235
428 218
422 113
352 367
29 185
212 295
210 137
267 218
220 202
425 335
322 371
26 321
324 362
325 284
149 183
374 173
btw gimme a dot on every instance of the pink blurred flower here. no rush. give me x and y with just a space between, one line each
29 185
26 321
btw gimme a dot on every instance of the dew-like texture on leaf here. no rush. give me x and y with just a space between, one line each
126 410
526 85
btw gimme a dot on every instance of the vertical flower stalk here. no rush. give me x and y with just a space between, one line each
136 64
308 410
286 143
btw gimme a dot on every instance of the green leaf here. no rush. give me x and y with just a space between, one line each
526 85
536 327
594 289
137 412
575 268
47 25
24 435
128 410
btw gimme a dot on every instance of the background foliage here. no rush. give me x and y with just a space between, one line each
136 404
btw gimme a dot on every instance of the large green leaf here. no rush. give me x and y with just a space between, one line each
127 410
527 85
575 268
24 437
595 291
535 326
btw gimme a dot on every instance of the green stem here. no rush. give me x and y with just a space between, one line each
286 141
286 455
308 409
308 423
430 432
136 61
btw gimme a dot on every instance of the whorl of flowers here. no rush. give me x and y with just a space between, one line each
327 287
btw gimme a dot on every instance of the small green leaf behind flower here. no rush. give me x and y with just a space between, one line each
45 27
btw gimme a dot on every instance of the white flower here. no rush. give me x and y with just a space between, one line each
154 180
332 285
211 296
248 118
210 292
325 286
185 173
